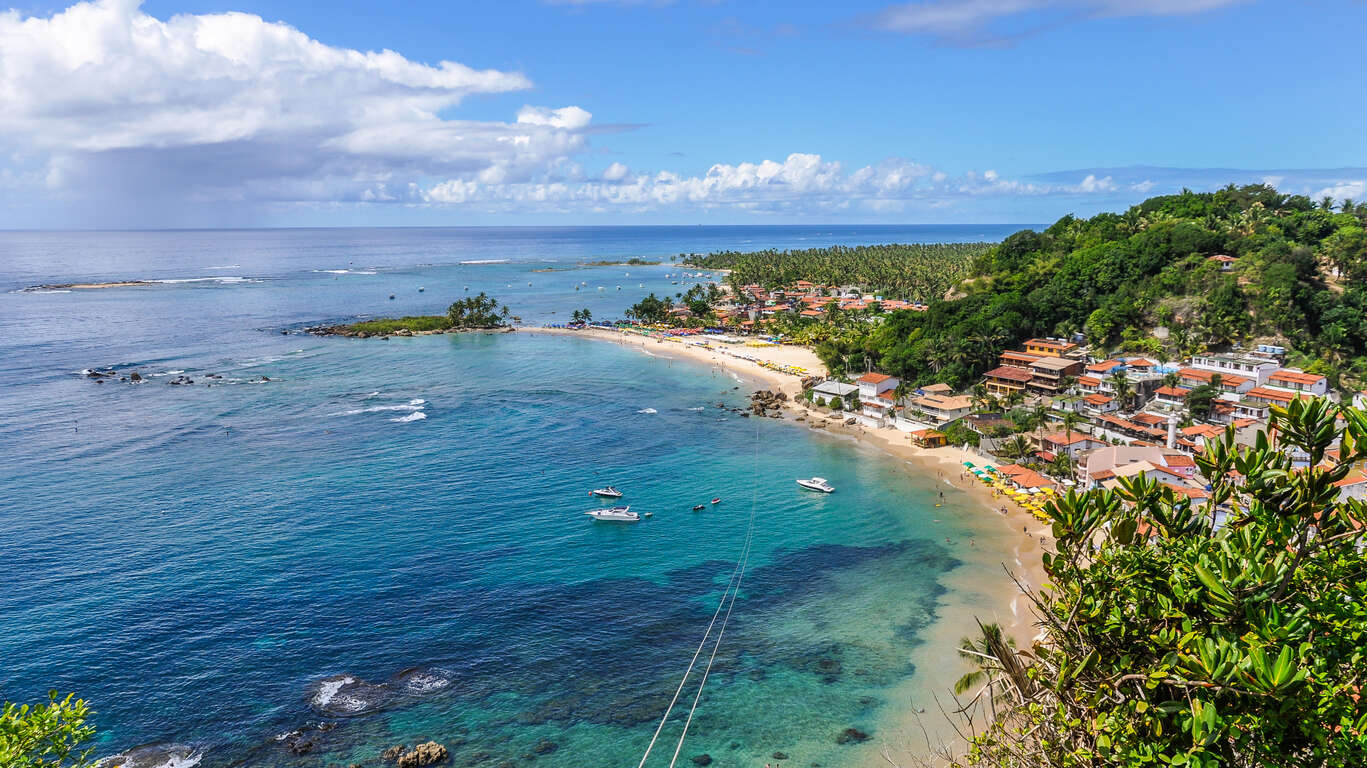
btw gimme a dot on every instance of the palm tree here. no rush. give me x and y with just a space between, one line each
1039 414
997 667
1015 397
1070 420
1018 447
1123 389
1172 379
901 391
979 397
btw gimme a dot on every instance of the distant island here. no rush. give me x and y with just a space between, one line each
632 262
474 313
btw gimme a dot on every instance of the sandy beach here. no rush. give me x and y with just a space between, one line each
981 590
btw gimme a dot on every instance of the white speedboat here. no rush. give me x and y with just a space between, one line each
614 514
608 493
816 484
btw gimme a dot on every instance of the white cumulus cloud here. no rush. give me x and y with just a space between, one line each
103 96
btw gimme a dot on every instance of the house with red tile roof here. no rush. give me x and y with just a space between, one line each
1229 382
1298 381
1004 380
1074 445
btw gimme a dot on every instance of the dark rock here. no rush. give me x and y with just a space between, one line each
429 753
851 736
264 378
545 747
302 746
734 745
780 755
135 376
703 759
392 753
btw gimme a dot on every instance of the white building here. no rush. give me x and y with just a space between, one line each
1256 368
1299 381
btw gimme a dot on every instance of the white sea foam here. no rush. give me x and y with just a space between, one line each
379 409
485 261
226 266
414 416
327 690
376 393
647 410
225 279
699 408
347 271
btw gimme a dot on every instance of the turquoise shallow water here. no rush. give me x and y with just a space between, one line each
203 561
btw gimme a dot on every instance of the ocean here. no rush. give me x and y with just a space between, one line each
310 549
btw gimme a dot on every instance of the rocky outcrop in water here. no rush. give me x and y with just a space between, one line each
429 753
766 403
851 736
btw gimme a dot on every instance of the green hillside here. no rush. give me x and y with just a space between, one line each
1297 279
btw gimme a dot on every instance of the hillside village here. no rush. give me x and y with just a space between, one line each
1054 413
1059 417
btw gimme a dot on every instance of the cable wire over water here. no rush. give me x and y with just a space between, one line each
728 599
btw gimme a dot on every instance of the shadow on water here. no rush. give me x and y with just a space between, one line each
605 653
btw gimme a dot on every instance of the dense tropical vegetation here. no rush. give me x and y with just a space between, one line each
1167 639
915 272
1298 278
470 313
47 735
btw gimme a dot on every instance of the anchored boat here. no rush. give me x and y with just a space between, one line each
816 484
608 493
614 515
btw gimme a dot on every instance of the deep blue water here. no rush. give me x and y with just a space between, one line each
199 560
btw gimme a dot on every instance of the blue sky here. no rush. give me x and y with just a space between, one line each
239 112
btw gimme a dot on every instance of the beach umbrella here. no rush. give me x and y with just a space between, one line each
968 463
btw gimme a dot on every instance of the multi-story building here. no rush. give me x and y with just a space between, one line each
1052 348
1003 381
1299 381
1250 366
1048 374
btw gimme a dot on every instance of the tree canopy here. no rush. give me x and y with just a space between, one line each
1170 640
1295 272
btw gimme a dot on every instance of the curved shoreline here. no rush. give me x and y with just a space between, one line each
979 590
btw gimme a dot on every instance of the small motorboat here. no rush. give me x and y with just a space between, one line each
717 500
614 515
816 484
699 507
608 493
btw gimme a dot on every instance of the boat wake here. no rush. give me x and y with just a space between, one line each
415 416
647 410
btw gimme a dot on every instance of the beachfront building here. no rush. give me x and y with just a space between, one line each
832 389
871 385
1073 445
1003 381
1255 367
1026 479
929 438
939 410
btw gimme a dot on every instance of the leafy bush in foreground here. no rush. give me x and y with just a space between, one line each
1168 640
